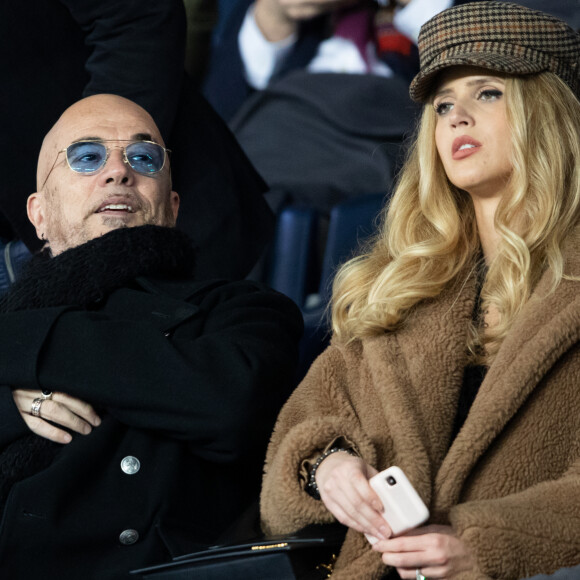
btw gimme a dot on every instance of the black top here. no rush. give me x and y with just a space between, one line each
472 379
474 374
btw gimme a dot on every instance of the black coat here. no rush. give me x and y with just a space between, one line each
188 377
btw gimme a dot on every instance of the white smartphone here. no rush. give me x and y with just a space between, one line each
403 508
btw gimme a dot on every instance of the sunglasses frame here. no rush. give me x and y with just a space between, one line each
129 142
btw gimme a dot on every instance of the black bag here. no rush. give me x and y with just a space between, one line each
309 554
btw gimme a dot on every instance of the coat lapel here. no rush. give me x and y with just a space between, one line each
417 373
547 327
163 310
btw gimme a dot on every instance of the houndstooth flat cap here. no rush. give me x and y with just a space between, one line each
498 36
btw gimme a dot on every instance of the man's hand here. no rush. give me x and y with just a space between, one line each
278 19
61 409
435 550
344 488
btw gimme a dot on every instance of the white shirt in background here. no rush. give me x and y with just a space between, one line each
262 58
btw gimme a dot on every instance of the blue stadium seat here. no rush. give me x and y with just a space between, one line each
13 256
293 263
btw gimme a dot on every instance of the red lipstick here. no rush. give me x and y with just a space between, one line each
464 146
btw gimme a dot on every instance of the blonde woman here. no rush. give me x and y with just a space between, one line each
455 337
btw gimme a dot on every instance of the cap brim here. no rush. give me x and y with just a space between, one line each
423 84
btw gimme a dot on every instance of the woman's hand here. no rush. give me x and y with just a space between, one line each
344 488
435 550
61 409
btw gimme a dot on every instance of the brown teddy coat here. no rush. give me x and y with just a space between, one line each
509 483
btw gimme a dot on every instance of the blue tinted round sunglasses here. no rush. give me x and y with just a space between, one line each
87 157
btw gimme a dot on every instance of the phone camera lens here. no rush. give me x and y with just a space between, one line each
391 480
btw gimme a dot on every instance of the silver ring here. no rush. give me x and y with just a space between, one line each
46 395
419 575
35 409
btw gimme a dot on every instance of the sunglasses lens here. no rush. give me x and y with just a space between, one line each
86 156
145 157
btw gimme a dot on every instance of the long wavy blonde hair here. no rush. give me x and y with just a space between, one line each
429 235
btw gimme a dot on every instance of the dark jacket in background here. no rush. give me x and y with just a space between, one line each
225 85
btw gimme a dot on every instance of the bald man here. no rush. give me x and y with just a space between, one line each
68 208
136 399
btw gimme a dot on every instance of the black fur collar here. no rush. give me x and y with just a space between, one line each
82 275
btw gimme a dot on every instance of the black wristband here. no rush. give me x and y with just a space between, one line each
311 486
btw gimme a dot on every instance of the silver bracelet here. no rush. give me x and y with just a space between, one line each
311 486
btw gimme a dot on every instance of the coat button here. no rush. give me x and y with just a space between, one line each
130 465
167 334
128 537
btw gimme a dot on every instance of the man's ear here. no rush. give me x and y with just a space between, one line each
174 201
35 210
